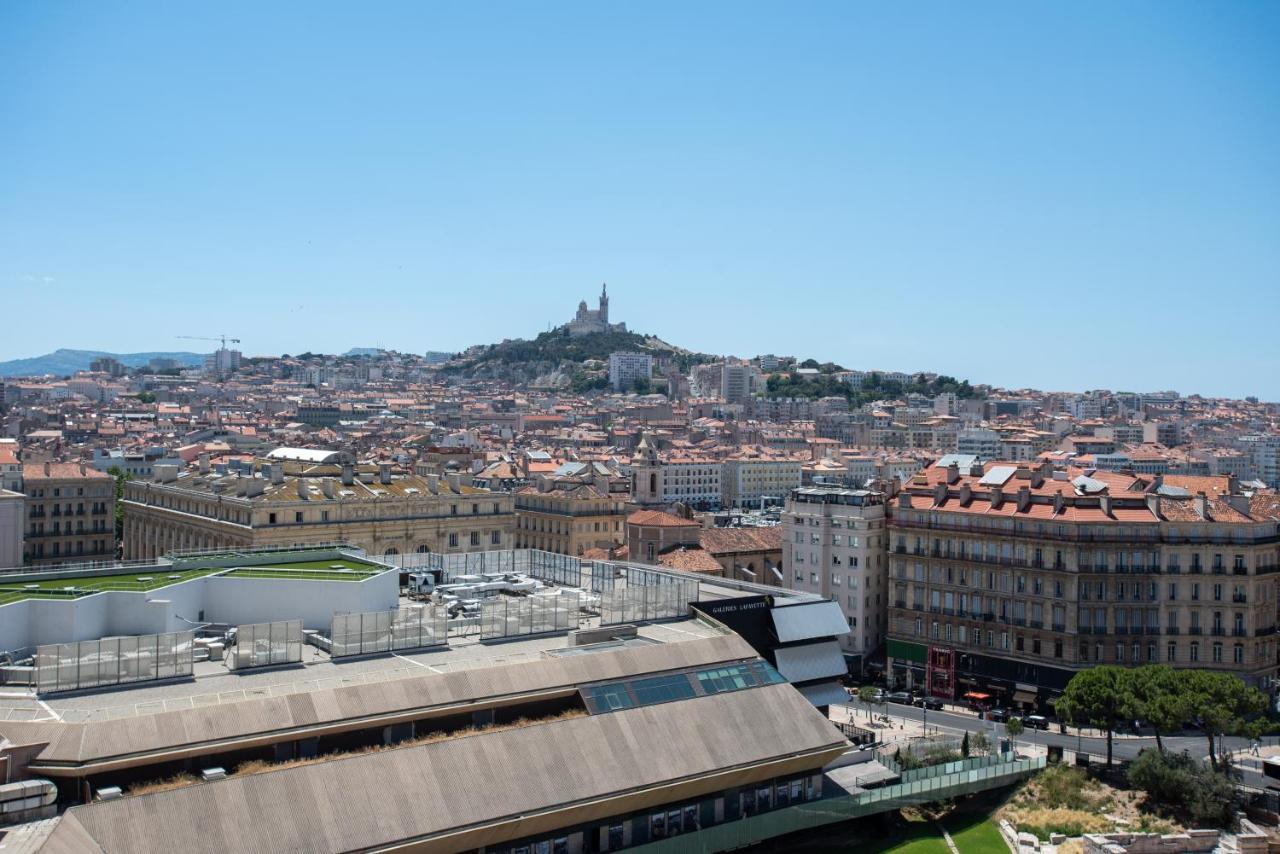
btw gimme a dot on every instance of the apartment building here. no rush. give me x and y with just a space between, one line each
70 513
625 369
10 466
1009 579
751 480
300 503
834 546
980 442
569 516
738 382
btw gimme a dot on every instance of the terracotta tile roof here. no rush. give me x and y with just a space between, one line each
659 519
731 540
691 560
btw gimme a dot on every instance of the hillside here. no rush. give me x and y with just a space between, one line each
65 362
555 353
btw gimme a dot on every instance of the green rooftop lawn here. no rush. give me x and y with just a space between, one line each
55 587
325 564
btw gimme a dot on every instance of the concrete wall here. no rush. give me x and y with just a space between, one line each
261 600
223 599
12 512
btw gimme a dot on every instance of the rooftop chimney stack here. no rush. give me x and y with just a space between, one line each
348 474
384 473
204 463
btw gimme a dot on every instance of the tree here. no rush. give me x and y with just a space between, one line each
979 743
121 478
146 397
1156 697
868 695
1224 704
1014 727
964 745
640 385
1100 696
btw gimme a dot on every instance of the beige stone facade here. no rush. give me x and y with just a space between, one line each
1007 579
569 517
372 508
70 513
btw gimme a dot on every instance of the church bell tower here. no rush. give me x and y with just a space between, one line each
604 304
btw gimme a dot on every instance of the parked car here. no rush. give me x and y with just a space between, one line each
933 704
900 697
1035 722
998 715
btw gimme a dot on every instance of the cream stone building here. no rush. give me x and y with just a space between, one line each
297 503
569 516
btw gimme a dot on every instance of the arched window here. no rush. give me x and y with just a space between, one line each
391 552
423 549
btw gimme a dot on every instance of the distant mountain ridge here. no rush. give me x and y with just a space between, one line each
62 363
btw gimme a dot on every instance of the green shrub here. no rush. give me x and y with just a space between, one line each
1181 786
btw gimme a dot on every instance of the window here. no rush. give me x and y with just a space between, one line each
297 517
271 518
453 540
475 538
495 538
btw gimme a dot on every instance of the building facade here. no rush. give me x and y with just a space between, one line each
626 369
1009 579
12 517
747 481
833 545
366 506
70 513
570 516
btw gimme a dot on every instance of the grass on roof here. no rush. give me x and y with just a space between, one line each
72 587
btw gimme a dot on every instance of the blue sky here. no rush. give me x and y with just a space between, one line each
1062 195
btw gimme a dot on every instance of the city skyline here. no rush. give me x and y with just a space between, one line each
861 186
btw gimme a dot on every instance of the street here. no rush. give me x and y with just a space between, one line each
1123 746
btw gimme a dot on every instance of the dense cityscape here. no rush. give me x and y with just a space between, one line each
977 547
573 427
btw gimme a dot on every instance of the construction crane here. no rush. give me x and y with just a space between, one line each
223 338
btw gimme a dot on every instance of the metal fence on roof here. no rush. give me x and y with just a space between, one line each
506 616
386 631
263 644
113 661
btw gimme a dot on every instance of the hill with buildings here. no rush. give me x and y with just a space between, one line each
559 352
65 362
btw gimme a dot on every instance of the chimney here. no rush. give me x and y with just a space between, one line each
46 468
966 494
1157 482
384 473
1201 503
1037 478
455 481
1022 472
997 496
1105 501
204 463
82 469
976 470
904 500
1024 498
1239 503
348 474
433 484
1058 502
277 473
1233 484
953 472
1153 503
940 493
326 486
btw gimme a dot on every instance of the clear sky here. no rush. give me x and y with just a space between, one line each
1065 195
